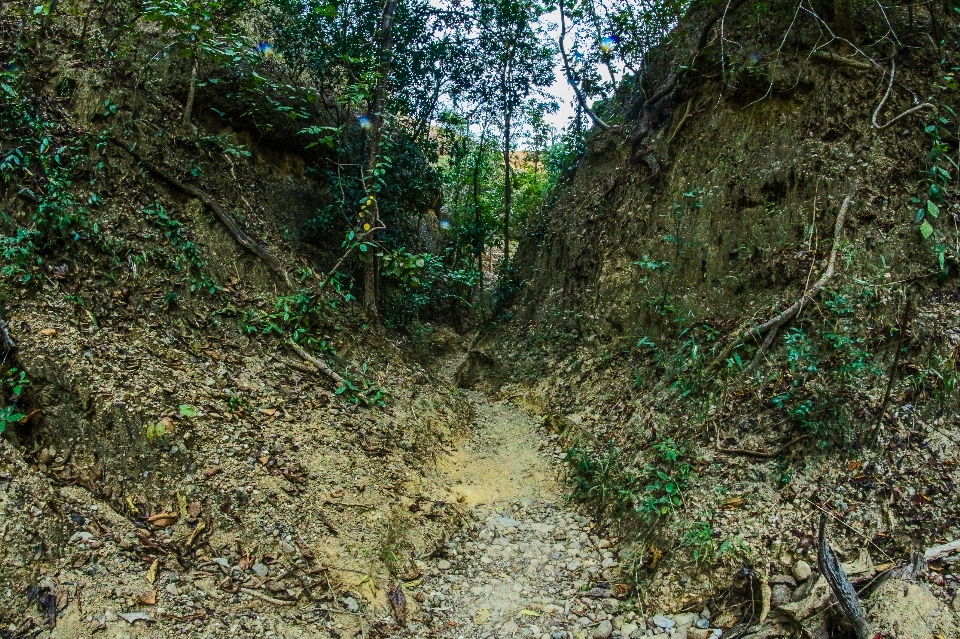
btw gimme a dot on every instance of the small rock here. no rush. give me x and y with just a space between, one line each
782 580
260 570
664 622
802 570
698 633
702 623
351 604
172 589
603 630
629 630
684 619
443 564
706 614
223 562
781 595
287 547
509 628
110 615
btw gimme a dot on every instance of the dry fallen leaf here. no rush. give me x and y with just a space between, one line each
398 602
48 331
734 502
148 598
162 520
152 572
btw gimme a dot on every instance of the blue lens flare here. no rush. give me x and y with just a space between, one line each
445 225
265 48
608 43
365 122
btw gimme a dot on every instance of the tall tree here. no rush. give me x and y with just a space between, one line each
518 64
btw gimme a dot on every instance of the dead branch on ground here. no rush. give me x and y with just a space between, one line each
762 454
834 58
318 363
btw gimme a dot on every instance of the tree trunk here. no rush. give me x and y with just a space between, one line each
384 55
507 187
191 93
477 218
843 24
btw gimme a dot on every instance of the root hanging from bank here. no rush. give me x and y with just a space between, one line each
225 218
774 325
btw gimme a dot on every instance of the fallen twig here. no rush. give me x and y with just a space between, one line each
893 72
320 364
267 598
763 454
849 602
225 218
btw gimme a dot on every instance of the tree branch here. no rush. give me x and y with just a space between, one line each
581 98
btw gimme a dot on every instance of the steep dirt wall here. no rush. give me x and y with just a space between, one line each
635 291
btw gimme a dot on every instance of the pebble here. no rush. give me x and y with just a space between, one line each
663 622
703 623
603 630
802 570
351 604
443 564
260 570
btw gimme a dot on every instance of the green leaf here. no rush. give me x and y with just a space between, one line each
926 230
933 209
186 410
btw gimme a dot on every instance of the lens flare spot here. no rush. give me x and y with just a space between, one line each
265 48
445 225
365 122
608 43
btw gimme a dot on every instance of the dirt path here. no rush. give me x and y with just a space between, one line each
521 567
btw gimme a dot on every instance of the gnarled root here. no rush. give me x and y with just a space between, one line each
225 218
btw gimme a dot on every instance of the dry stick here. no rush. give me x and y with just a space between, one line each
343 257
893 72
807 298
238 234
827 56
268 599
840 584
320 364
762 454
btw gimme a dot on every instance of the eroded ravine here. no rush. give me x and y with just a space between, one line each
525 559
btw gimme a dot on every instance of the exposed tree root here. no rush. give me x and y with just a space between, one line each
683 120
847 597
225 218
834 58
893 73
806 299
762 454
318 363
